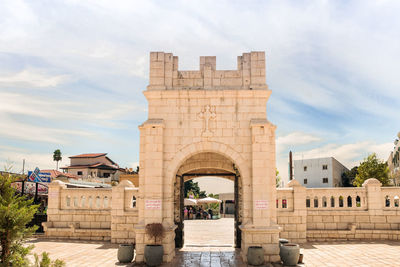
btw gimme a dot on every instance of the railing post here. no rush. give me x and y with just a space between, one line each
118 217
374 196
299 210
54 195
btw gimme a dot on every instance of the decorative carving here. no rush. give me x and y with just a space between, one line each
207 114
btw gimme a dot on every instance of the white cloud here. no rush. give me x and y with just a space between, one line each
296 138
31 78
15 156
60 109
23 131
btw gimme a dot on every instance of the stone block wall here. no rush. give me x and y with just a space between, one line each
369 212
92 213
164 73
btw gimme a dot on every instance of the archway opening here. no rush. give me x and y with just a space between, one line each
208 216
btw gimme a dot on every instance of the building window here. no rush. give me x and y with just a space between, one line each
305 168
325 180
133 201
79 173
324 167
106 175
305 181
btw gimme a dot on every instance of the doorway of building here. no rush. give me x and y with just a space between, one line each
210 165
209 224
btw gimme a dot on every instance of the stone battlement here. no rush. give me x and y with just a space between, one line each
164 73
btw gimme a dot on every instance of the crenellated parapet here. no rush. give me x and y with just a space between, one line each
165 74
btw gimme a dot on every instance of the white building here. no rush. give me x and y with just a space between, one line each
394 162
319 172
95 166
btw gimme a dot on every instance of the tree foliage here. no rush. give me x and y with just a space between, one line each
15 213
155 230
278 178
45 261
214 206
349 176
372 167
57 156
191 187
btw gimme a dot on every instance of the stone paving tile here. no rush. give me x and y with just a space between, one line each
341 254
209 232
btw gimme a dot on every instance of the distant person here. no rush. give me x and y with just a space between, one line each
205 214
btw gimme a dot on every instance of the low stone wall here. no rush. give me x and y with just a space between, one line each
369 212
92 213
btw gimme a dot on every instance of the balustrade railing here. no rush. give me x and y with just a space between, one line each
390 197
336 198
85 198
284 199
130 201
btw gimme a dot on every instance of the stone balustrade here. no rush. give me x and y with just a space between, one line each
92 213
85 198
367 212
390 197
336 198
284 200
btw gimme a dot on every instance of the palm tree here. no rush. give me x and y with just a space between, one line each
57 156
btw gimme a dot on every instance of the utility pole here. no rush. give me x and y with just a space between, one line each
290 166
23 166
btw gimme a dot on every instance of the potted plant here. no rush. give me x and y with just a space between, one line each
255 255
125 253
290 253
153 253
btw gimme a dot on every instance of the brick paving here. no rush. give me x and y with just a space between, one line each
209 232
341 254
208 244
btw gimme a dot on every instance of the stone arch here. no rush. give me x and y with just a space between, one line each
205 146
206 160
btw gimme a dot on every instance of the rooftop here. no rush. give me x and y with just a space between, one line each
89 155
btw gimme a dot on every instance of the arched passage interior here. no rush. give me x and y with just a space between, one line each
206 164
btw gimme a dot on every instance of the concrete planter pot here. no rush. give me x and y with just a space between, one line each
153 255
255 255
290 254
125 253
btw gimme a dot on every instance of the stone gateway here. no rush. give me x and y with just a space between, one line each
210 122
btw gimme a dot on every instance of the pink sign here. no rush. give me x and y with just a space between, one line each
261 204
153 204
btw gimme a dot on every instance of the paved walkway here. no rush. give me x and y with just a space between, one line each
208 243
209 232
341 254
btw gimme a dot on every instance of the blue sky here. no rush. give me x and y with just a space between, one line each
72 72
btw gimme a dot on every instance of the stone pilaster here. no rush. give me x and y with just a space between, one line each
54 205
374 201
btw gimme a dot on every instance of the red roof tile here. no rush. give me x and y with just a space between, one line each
95 165
89 155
